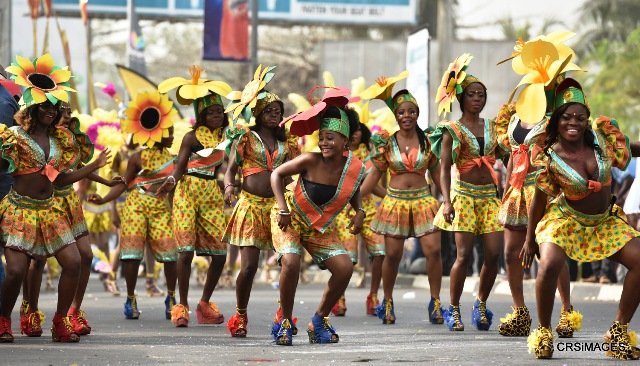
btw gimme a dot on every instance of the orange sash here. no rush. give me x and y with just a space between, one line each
487 161
320 218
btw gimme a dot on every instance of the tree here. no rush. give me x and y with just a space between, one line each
611 20
613 89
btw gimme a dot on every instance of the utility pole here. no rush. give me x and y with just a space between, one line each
254 37
445 34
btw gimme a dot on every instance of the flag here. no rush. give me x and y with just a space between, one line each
135 47
34 7
84 12
47 12
226 30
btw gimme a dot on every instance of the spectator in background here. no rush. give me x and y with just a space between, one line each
9 96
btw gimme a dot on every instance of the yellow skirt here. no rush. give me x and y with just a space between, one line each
476 209
67 199
374 242
515 204
250 222
36 227
406 213
198 218
98 217
584 238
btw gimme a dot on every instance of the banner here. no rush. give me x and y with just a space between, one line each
135 46
418 67
226 30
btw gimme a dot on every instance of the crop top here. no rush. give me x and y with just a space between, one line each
25 156
252 155
387 155
557 177
465 148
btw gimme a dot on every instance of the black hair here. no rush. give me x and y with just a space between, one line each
366 133
25 118
552 129
461 96
280 130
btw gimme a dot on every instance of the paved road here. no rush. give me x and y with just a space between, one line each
153 340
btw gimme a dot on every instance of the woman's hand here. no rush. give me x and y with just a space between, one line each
116 180
284 220
168 184
102 159
95 199
528 252
229 194
357 222
449 212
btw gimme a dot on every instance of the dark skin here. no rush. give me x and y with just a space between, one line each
376 262
130 267
38 186
513 241
407 117
214 118
324 168
572 148
473 101
31 284
256 184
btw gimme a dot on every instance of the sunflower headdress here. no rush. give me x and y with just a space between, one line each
42 79
149 118
202 93
542 63
245 101
452 83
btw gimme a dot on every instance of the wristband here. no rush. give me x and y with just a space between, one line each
360 209
171 179
284 213
228 185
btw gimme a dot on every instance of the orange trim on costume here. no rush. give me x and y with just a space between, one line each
319 217
47 170
487 161
520 158
165 172
216 157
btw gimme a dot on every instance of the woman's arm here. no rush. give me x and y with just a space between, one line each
133 167
536 211
509 169
180 164
292 167
357 221
230 175
65 179
370 182
445 176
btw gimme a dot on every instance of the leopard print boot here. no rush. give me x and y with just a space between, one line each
516 324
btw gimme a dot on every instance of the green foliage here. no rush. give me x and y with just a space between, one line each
613 81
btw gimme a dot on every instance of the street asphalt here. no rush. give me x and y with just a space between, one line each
152 340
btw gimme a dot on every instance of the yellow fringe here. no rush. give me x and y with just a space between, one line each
507 317
533 341
575 319
633 338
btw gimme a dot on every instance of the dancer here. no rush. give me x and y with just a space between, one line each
374 242
304 218
36 153
408 209
471 206
582 222
257 151
198 217
522 133
146 217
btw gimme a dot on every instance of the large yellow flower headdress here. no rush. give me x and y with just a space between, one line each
541 61
247 99
383 88
42 79
451 84
149 118
196 90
